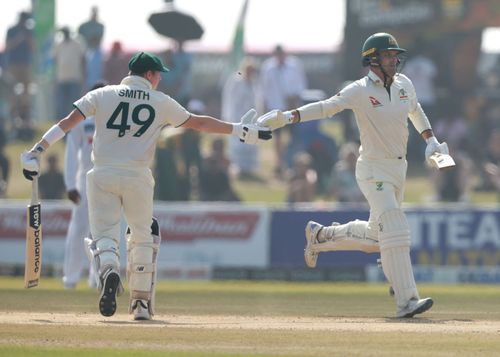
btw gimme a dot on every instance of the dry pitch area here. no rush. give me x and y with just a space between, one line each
297 323
250 319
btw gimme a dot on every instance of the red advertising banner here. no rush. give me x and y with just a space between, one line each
200 234
13 222
188 226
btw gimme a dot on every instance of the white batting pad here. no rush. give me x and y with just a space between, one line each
349 236
102 255
394 238
141 267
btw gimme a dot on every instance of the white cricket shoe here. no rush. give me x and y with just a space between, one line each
312 230
140 310
415 306
110 288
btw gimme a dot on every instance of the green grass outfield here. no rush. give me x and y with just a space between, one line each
250 319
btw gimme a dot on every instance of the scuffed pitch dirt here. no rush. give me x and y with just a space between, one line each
420 325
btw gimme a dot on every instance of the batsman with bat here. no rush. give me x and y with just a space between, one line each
128 120
381 101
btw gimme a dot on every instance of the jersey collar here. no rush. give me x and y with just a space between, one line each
374 78
137 81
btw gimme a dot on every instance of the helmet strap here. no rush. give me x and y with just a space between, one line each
387 84
375 62
387 81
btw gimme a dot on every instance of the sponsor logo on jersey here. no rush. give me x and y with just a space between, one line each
375 102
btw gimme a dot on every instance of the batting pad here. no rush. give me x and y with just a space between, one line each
102 254
394 238
141 267
349 236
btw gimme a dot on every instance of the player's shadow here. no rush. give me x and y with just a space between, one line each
423 320
135 323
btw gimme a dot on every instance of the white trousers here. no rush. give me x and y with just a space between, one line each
75 258
382 184
110 190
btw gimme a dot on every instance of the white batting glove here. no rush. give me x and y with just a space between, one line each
248 132
30 162
275 119
434 146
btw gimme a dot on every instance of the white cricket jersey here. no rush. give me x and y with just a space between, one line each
382 119
128 120
77 161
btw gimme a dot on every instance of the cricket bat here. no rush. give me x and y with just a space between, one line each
441 161
33 261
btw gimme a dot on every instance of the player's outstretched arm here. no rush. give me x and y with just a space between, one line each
247 131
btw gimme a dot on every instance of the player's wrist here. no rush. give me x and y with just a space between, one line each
288 117
432 140
236 129
54 134
37 149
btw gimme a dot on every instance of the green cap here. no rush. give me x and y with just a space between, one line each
143 61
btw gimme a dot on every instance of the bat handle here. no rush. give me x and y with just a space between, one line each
34 191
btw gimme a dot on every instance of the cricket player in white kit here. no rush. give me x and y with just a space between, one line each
77 162
128 121
381 101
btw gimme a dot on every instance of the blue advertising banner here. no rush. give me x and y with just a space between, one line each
288 239
444 236
459 237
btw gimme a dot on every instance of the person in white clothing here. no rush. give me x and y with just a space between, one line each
282 81
69 58
128 120
77 162
381 101
238 96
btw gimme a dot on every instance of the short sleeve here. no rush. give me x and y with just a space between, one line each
174 113
87 104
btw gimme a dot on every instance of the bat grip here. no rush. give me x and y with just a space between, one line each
34 191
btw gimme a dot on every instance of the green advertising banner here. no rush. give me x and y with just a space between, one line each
44 14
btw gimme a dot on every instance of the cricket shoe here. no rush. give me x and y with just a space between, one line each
140 310
312 230
414 307
110 288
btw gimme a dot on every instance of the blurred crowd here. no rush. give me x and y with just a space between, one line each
311 162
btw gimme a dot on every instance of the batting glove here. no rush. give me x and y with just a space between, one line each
30 162
248 132
434 146
275 119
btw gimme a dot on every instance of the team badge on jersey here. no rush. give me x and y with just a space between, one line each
379 186
402 94
375 102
